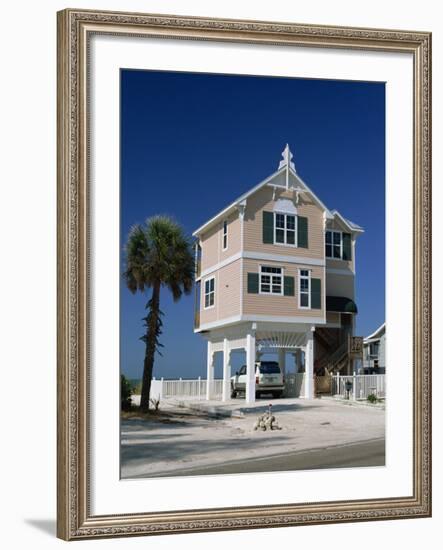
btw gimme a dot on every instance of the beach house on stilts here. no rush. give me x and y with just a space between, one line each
275 272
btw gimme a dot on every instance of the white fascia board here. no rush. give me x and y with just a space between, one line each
264 182
221 264
273 319
329 214
345 222
302 260
234 204
284 319
220 323
266 257
377 333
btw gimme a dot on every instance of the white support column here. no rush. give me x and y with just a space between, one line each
210 372
309 365
282 360
226 370
250 367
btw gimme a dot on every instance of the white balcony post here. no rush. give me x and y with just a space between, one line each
250 367
161 387
354 387
210 372
337 384
199 387
309 365
226 370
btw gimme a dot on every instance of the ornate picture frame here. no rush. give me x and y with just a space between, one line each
75 29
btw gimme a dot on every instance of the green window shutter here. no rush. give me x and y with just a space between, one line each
347 246
302 232
315 293
289 286
253 283
268 227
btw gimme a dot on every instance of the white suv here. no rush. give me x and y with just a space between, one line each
268 379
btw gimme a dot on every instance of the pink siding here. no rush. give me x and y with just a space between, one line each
285 306
227 294
211 242
262 200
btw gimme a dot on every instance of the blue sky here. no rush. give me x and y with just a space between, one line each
192 143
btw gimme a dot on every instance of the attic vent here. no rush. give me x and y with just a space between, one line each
286 206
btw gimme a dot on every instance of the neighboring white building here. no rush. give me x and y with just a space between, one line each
275 272
374 352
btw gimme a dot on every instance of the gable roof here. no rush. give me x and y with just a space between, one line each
350 225
286 168
376 335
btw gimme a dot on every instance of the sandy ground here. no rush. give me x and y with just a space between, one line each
181 438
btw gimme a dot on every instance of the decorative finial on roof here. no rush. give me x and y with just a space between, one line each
287 159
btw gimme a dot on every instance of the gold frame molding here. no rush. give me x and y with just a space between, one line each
74 520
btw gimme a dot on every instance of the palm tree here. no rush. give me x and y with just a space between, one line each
158 254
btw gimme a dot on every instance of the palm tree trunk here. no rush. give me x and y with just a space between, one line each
151 342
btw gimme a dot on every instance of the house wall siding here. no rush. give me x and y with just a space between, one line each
253 224
340 285
211 242
336 225
227 294
279 306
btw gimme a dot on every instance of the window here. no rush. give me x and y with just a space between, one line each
271 280
373 348
285 228
333 244
225 235
305 290
269 367
209 292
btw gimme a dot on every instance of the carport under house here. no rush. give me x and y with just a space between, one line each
275 272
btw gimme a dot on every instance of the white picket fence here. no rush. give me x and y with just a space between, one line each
361 385
194 388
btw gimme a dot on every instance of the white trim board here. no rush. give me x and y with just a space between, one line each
302 260
267 318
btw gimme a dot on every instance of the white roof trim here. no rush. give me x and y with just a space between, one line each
350 225
376 334
229 209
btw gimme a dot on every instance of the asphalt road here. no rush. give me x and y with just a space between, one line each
367 453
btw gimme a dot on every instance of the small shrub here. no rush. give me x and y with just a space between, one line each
155 403
125 393
372 398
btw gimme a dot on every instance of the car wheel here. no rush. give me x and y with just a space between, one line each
277 394
257 394
233 393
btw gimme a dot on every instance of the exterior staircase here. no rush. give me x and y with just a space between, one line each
336 361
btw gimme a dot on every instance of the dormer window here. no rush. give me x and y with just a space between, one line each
285 229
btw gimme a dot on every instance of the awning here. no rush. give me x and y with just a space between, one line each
341 304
